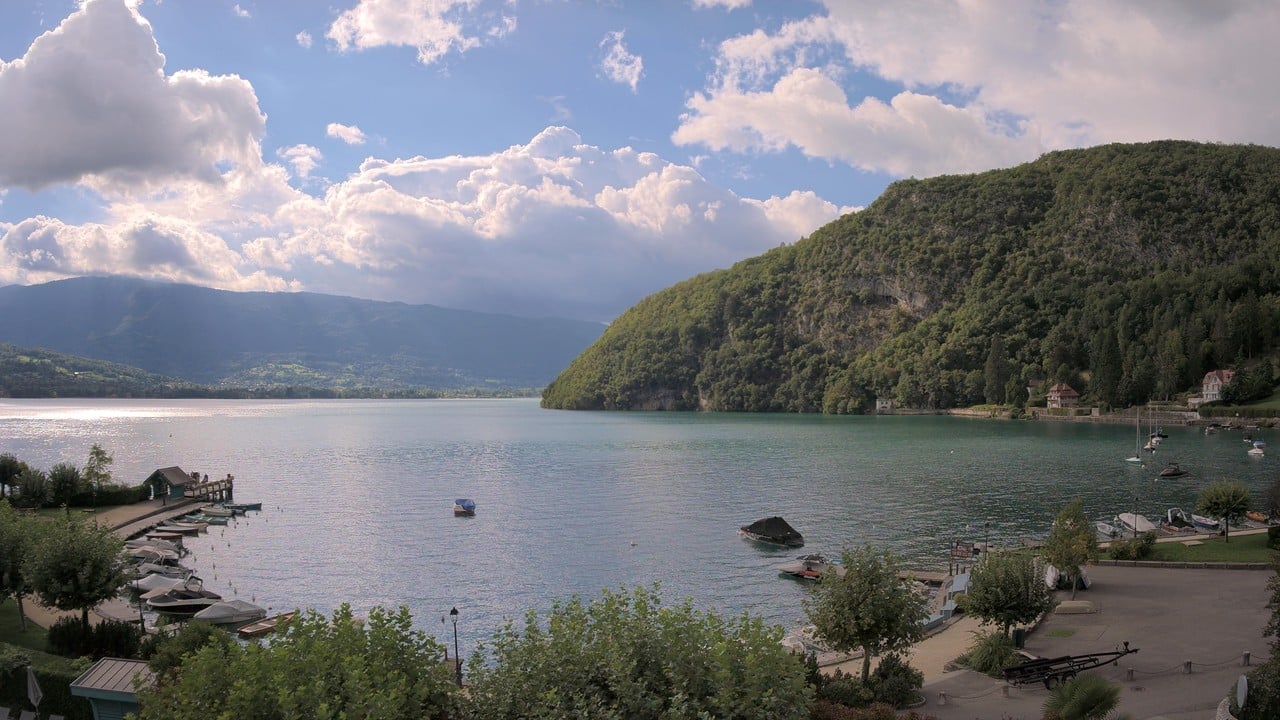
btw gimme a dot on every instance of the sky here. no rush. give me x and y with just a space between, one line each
557 157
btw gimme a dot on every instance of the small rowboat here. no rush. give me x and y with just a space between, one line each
266 625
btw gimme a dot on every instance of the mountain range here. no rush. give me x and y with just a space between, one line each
257 339
1126 271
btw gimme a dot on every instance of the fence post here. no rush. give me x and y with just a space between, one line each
1186 667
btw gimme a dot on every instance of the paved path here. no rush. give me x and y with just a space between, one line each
1207 617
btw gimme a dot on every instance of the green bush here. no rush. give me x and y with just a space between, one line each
895 682
1273 537
1138 548
846 690
991 653
110 638
55 676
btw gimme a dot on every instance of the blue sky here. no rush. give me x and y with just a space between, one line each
551 157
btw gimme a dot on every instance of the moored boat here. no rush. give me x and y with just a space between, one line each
773 531
1204 523
186 599
1135 523
217 511
1172 470
812 567
1175 520
231 612
266 625
464 506
242 507
1256 516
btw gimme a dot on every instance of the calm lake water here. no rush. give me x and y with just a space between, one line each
358 495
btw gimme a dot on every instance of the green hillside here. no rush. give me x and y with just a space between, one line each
1127 271
31 373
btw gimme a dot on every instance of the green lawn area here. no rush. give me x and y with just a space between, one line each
1241 548
11 631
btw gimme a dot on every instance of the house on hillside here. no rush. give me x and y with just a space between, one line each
1211 386
884 405
171 482
1062 396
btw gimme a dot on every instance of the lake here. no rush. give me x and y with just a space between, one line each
358 494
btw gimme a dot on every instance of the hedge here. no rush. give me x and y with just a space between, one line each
55 676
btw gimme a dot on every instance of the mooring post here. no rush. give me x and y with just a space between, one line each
1245 660
1186 667
1128 673
942 698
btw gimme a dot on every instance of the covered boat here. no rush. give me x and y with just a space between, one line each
464 506
266 625
812 566
1172 470
231 612
773 530
183 600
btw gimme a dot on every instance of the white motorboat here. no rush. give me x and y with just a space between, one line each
157 581
1205 523
1106 530
1134 523
231 612
152 542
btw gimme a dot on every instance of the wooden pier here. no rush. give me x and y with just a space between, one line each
212 490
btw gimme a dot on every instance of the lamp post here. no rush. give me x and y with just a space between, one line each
457 659
1134 517
986 541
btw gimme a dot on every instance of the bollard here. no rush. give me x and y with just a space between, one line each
1128 673
942 698
1245 660
1186 667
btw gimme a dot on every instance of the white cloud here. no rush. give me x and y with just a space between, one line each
303 38
729 4
349 134
90 101
554 226
620 65
433 27
992 84
303 158
239 11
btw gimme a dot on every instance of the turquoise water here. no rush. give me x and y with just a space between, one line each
358 495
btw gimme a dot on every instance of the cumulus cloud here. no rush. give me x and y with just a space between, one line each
349 134
620 65
303 158
239 11
554 226
90 99
991 84
433 27
303 38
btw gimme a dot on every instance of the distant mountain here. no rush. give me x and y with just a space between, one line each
1126 271
257 339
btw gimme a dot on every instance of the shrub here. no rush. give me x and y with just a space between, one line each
991 653
847 690
110 638
895 682
1138 548
1273 537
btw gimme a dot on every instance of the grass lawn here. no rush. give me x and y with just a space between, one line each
1241 548
11 632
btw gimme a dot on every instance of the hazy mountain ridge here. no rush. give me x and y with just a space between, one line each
1125 270
222 338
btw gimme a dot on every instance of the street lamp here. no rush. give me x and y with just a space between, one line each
457 659
986 541
1134 517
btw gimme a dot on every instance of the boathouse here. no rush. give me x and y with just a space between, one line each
170 482
109 685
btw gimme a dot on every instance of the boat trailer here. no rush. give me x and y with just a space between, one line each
1052 671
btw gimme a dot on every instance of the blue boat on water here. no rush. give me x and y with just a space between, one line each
464 506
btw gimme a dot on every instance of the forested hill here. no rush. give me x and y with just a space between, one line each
1127 271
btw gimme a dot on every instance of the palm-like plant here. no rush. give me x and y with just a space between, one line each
1087 697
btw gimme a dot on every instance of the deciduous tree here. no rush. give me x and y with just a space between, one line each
625 655
10 469
1072 542
97 470
16 532
1225 499
1007 588
64 482
73 565
378 668
868 607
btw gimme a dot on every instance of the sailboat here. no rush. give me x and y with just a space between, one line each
1137 439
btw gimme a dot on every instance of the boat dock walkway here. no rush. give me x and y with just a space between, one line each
130 521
